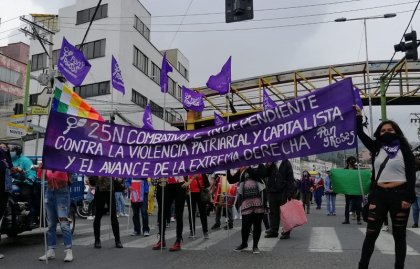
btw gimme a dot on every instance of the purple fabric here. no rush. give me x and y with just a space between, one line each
72 63
147 119
166 68
392 148
321 121
192 100
357 98
221 82
268 103
117 80
219 120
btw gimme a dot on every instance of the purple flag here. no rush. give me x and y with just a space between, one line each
268 103
72 63
219 120
357 98
192 100
166 68
221 82
147 119
117 80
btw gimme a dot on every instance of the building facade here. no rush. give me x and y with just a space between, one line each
121 28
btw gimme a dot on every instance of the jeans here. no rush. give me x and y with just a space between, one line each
416 210
318 197
119 198
58 209
386 200
330 198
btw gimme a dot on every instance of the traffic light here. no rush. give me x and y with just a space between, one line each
239 10
18 109
409 47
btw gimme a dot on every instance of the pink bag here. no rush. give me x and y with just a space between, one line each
292 215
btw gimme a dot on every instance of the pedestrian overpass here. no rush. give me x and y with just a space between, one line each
246 94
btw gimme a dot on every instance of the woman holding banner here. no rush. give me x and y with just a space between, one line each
392 190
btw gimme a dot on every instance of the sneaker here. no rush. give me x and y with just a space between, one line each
271 235
50 255
191 235
215 227
256 250
285 236
90 218
172 219
118 215
176 246
415 225
134 233
159 245
1 256
346 222
385 228
226 227
69 255
146 233
118 244
240 248
206 235
125 215
97 244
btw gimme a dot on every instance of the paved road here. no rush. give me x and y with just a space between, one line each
323 243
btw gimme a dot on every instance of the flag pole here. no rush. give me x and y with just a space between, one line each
164 183
43 212
226 182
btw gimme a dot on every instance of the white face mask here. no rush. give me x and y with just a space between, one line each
13 154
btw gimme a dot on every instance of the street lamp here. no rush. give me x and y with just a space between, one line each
385 16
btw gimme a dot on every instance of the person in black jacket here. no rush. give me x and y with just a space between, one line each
280 188
394 189
5 166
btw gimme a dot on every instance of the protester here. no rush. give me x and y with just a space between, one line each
280 188
137 198
119 197
196 183
144 207
57 205
5 166
318 190
330 195
416 204
151 196
252 201
24 176
174 191
393 191
90 197
353 202
103 194
306 186
220 207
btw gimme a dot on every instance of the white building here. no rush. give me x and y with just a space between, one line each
122 28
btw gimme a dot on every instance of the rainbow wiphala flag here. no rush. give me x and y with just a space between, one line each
67 101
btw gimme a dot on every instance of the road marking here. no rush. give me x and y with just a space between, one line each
214 238
385 243
86 241
324 239
145 242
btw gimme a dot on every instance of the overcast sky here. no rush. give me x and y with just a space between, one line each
275 41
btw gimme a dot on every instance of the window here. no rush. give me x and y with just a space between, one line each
140 60
94 49
39 61
86 15
11 76
56 54
155 73
138 98
89 90
183 70
170 117
171 87
156 109
179 93
141 28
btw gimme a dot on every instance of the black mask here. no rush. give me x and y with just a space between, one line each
387 138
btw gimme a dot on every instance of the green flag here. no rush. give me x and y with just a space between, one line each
346 181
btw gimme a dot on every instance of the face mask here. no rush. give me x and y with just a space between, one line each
387 138
13 154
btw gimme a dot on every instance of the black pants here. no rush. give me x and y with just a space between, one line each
219 210
353 202
102 198
275 201
386 200
196 201
173 192
249 220
3 204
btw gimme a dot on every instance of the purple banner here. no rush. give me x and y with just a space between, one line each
268 103
192 100
321 121
221 82
219 120
166 68
117 80
147 119
72 63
